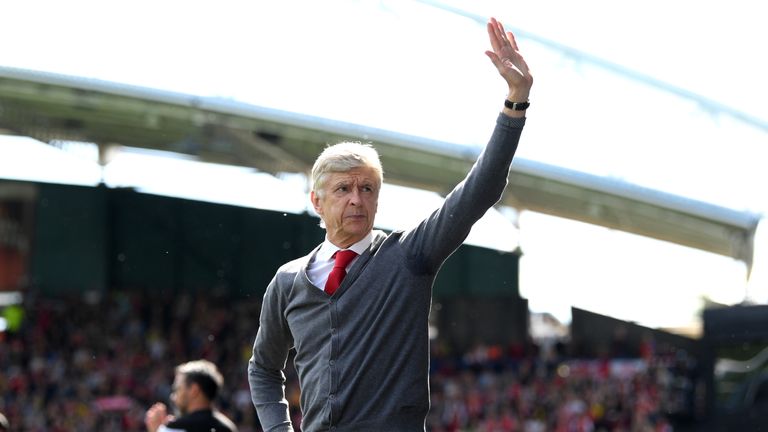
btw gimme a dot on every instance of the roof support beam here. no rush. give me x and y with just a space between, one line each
50 106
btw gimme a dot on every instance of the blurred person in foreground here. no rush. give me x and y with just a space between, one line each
194 389
356 308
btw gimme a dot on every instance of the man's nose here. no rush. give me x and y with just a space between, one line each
354 197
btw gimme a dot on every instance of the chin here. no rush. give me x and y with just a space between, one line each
357 227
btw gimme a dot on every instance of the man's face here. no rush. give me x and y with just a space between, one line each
180 394
348 204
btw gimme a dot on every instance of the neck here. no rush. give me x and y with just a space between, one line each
342 245
197 406
346 242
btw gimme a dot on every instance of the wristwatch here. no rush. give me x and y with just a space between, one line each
516 106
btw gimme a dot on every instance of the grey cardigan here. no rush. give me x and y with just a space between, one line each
362 355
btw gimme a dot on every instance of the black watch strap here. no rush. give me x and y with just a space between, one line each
516 106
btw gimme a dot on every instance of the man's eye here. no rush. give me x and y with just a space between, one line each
367 189
341 189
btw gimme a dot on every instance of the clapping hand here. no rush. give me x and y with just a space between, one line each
157 415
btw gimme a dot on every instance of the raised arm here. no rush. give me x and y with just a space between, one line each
430 243
510 64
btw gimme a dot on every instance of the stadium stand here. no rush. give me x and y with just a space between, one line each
92 362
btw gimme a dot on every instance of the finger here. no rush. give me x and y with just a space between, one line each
500 30
512 40
494 38
494 58
499 34
496 61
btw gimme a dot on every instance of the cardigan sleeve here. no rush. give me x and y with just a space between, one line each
265 368
439 235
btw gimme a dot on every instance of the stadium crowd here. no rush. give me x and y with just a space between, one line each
96 363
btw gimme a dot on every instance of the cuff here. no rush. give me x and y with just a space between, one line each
511 122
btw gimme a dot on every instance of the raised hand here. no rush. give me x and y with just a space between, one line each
509 62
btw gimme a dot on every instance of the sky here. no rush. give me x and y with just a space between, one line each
414 68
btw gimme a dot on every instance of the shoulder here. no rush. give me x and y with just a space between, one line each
179 423
382 242
204 420
183 423
285 276
289 270
294 266
380 237
224 422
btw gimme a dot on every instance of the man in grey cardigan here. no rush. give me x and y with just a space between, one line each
362 349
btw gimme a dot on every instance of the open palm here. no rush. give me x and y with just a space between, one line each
508 60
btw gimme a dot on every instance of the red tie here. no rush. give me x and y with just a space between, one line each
343 258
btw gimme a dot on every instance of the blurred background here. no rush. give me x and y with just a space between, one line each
153 176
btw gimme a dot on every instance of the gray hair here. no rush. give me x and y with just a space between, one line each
343 157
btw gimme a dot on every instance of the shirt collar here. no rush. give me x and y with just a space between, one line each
328 249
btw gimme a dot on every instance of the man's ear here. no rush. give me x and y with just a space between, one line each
194 389
316 202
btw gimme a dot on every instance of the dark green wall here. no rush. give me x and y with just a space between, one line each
478 272
167 243
69 241
98 238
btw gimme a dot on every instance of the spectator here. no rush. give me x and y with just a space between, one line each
195 388
74 366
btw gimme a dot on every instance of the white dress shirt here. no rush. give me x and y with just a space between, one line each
321 266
